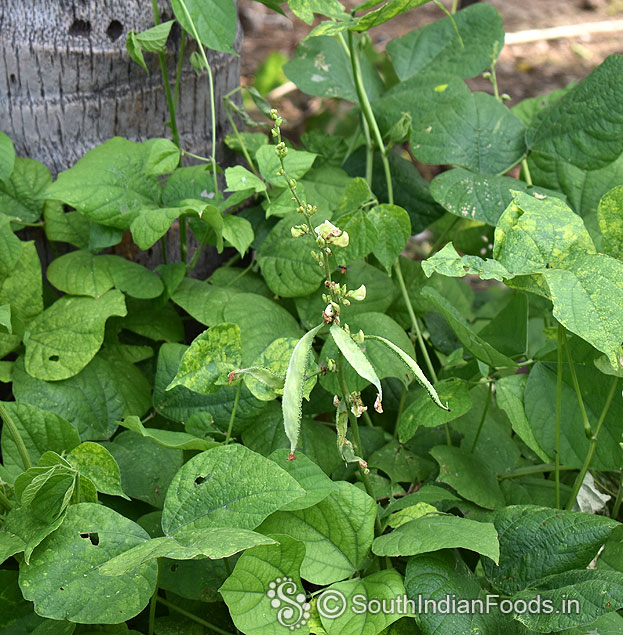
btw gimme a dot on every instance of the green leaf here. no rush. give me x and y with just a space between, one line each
134 50
209 359
262 573
388 11
286 262
436 46
309 476
132 278
322 68
479 197
362 233
537 541
146 467
80 273
610 218
355 357
240 179
393 228
407 514
470 340
584 125
65 337
305 9
203 301
203 493
423 412
110 184
434 532
337 533
294 386
62 579
167 438
447 262
456 134
218 542
96 463
155 39
469 475
40 430
46 490
66 227
21 195
238 232
384 587
297 163
214 20
7 157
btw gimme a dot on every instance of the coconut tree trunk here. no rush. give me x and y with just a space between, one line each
67 83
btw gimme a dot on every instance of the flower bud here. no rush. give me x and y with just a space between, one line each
320 241
328 230
299 230
330 364
340 241
359 337
274 114
358 294
336 401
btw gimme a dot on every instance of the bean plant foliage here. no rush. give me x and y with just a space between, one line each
323 419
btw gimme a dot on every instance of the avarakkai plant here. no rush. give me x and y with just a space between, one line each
260 451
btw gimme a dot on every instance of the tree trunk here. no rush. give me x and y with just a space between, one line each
69 84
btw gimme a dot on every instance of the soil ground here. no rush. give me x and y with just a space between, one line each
524 70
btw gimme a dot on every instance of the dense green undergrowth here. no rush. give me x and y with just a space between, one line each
352 433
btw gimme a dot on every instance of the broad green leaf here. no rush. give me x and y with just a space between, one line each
146 467
447 262
399 463
297 163
163 156
537 541
153 40
385 587
40 430
586 595
470 340
407 514
21 195
110 184
80 273
393 227
96 463
203 301
321 67
305 9
66 336
610 215
238 232
388 11
439 531
479 197
167 438
218 542
508 330
412 367
132 278
469 475
254 593
215 21
46 490
356 357
362 233
565 128
423 412
286 262
337 533
436 45
475 132
7 157
63 581
442 575
209 359
239 179
309 476
509 392
203 493
66 227
294 386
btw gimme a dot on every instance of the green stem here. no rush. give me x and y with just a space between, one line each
578 393
4 500
483 417
16 436
367 419
183 241
401 405
561 334
232 418
455 6
178 71
526 172
592 446
534 469
193 32
152 603
243 145
163 247
195 259
619 499
165 82
369 152
191 616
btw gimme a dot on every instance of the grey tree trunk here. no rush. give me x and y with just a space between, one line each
68 84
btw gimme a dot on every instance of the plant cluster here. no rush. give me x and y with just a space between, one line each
294 450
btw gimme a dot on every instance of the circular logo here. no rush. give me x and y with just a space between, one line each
331 604
292 607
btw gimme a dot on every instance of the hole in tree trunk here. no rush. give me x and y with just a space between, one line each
114 30
80 28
